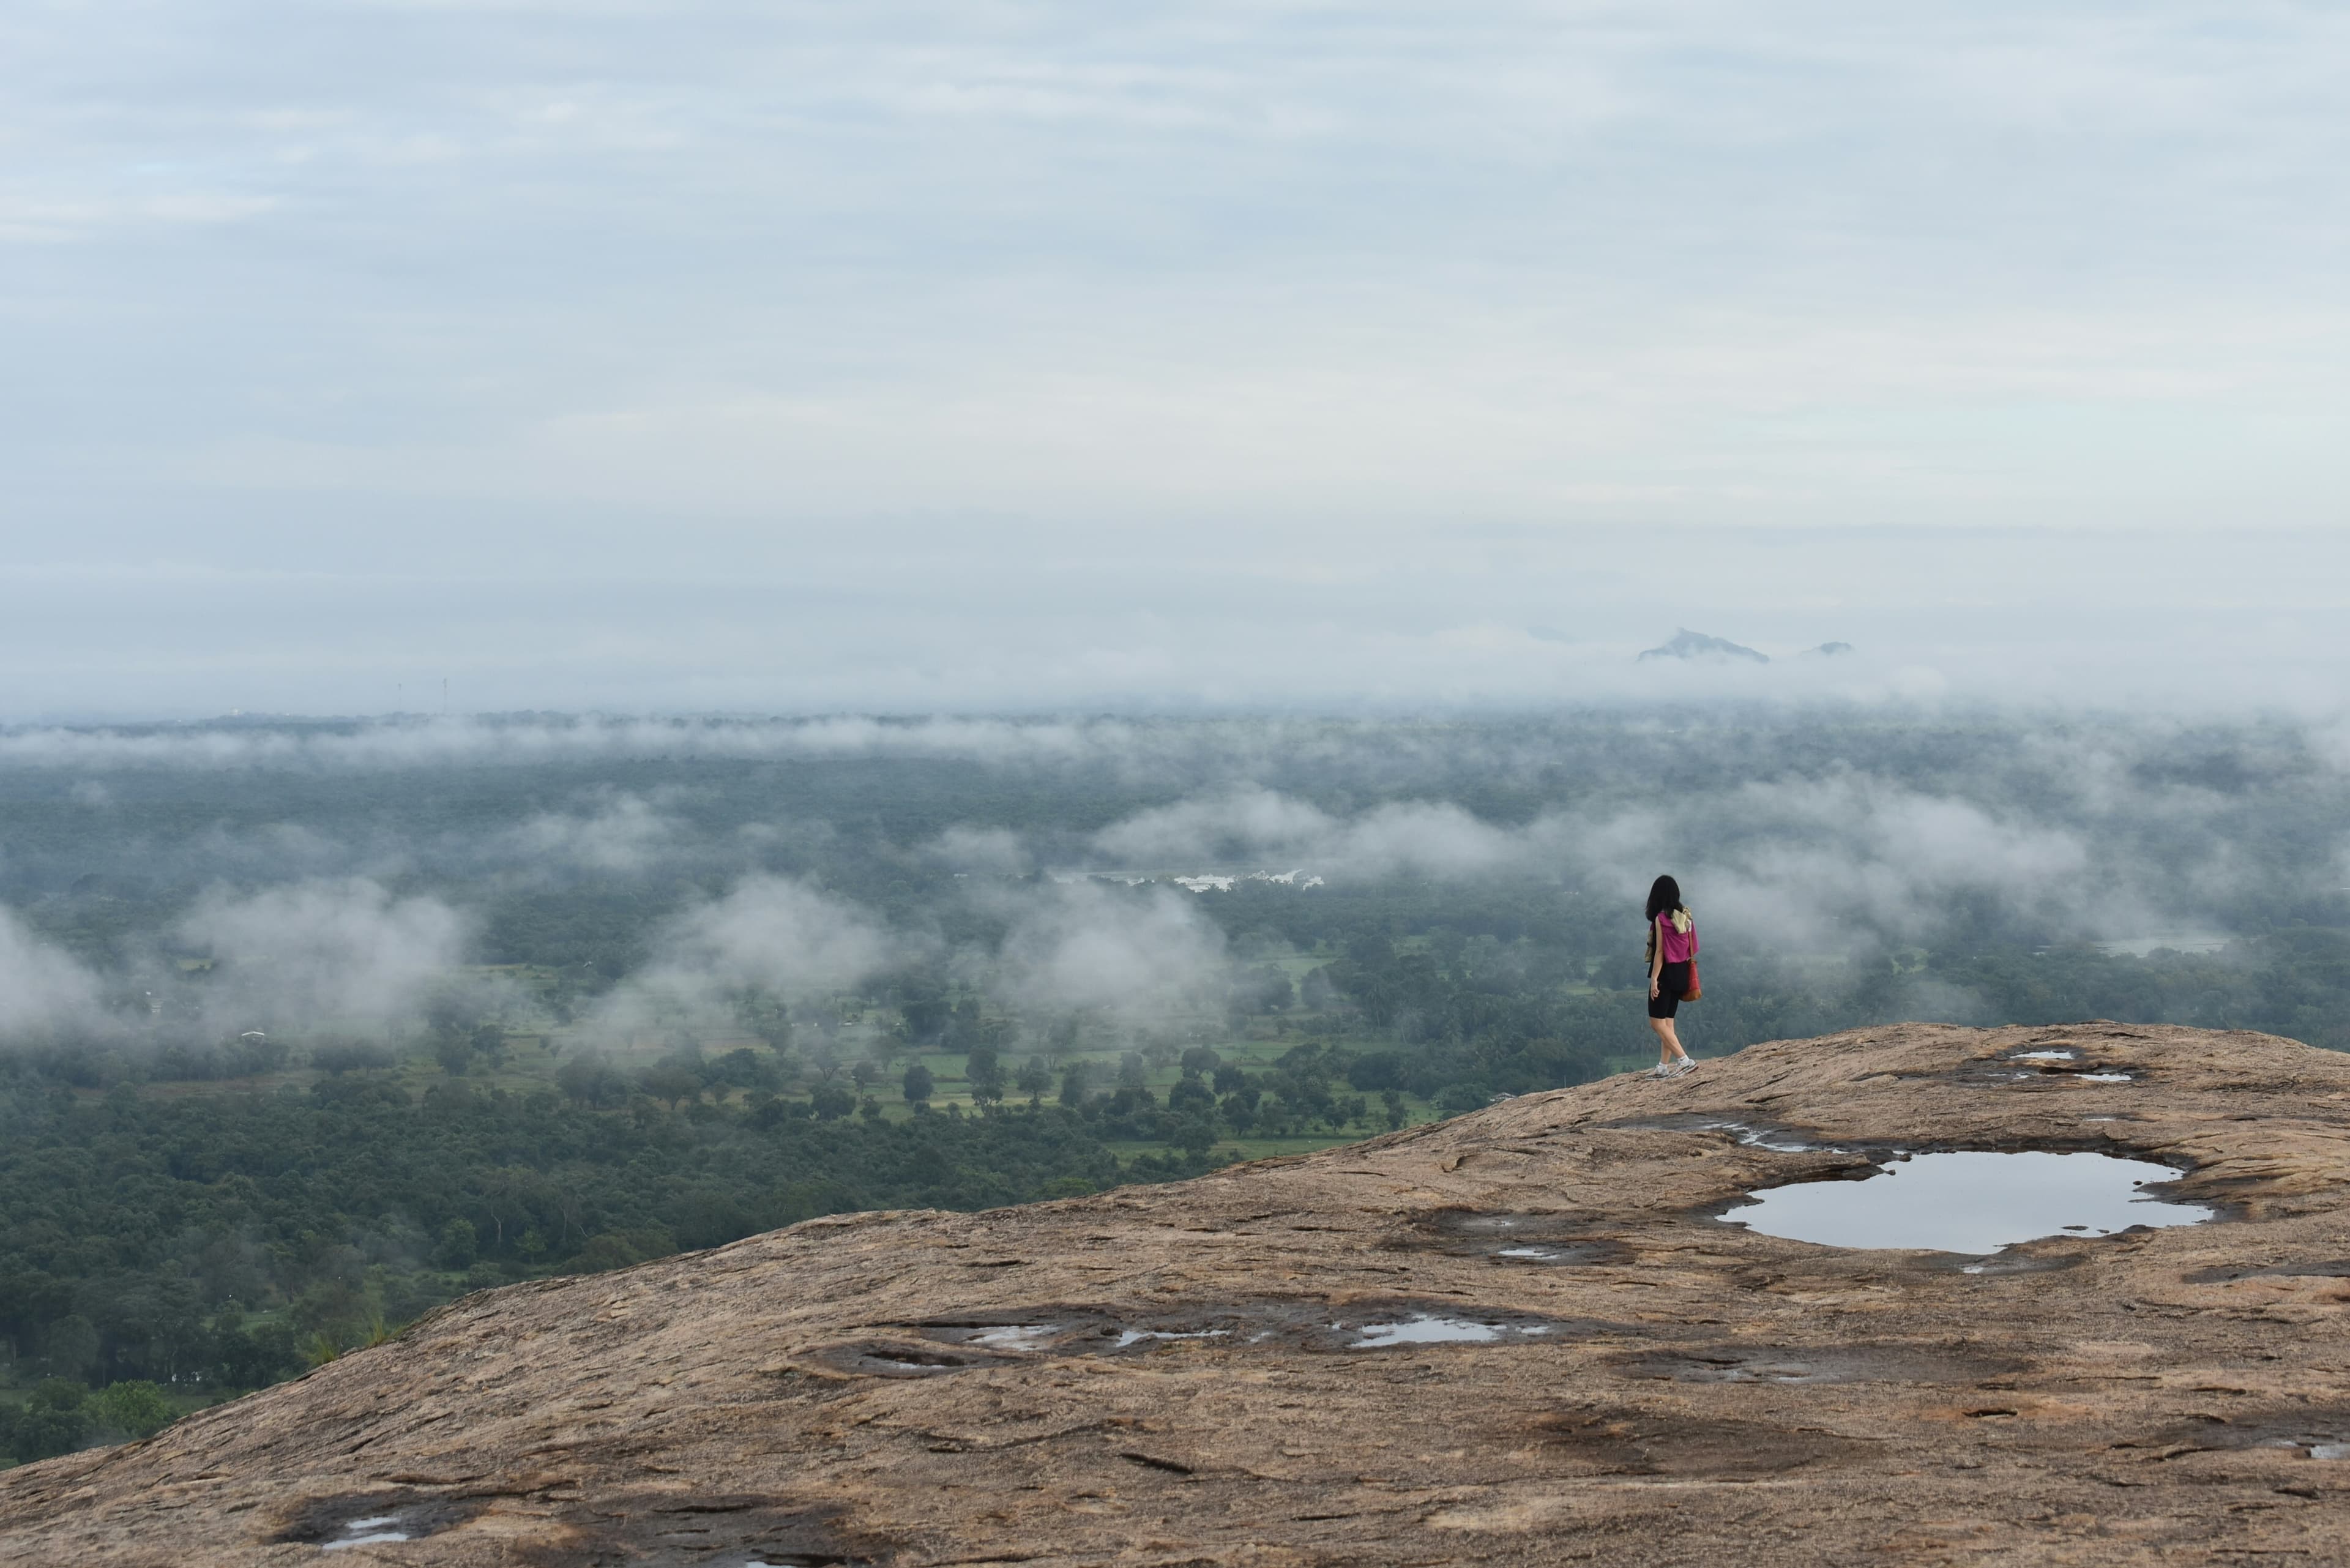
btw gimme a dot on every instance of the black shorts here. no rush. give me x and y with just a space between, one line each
1672 985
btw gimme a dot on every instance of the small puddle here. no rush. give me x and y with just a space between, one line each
1761 1138
1026 1337
1426 1328
368 1533
381 1519
1130 1337
1520 1240
1970 1202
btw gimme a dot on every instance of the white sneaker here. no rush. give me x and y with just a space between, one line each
1682 1068
1658 1071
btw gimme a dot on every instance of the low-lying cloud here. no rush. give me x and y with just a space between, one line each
1789 863
41 987
1083 946
340 950
770 934
346 904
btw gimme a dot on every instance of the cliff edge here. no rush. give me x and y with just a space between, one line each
1520 1336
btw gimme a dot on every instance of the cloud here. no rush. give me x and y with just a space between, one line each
769 933
41 987
1242 822
777 933
397 742
1241 826
1642 304
1814 864
328 950
1128 951
625 835
1785 864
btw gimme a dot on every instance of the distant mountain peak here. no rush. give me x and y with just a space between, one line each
1688 644
1826 651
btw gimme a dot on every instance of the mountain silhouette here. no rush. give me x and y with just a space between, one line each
1688 644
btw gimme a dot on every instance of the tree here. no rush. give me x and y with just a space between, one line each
1034 1079
984 1073
70 1346
257 1357
741 1068
454 1052
1076 1082
457 1246
925 1008
765 1015
832 1101
52 1421
671 1080
591 1080
1193 1135
918 1085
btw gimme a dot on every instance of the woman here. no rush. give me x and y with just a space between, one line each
1672 947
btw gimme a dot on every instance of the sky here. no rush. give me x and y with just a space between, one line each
1003 355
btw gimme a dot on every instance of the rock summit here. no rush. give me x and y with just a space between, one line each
1524 1335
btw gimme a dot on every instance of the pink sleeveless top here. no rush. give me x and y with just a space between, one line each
1678 949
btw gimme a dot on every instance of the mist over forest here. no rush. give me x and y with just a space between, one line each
166 885
310 1025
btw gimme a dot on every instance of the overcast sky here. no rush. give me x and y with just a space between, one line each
705 355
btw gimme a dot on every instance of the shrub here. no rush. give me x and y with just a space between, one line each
130 1409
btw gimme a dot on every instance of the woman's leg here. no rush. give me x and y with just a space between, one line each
1669 1041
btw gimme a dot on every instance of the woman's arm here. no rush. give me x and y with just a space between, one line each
1655 962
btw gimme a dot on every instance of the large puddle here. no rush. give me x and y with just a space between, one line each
1970 1202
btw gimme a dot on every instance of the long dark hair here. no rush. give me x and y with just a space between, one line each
1663 895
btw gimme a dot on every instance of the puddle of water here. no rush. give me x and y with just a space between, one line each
367 1533
1434 1328
2045 1057
1761 1138
1424 1329
1136 1335
2329 1450
1025 1336
2106 1078
1971 1203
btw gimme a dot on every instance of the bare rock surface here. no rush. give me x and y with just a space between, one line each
1229 1370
